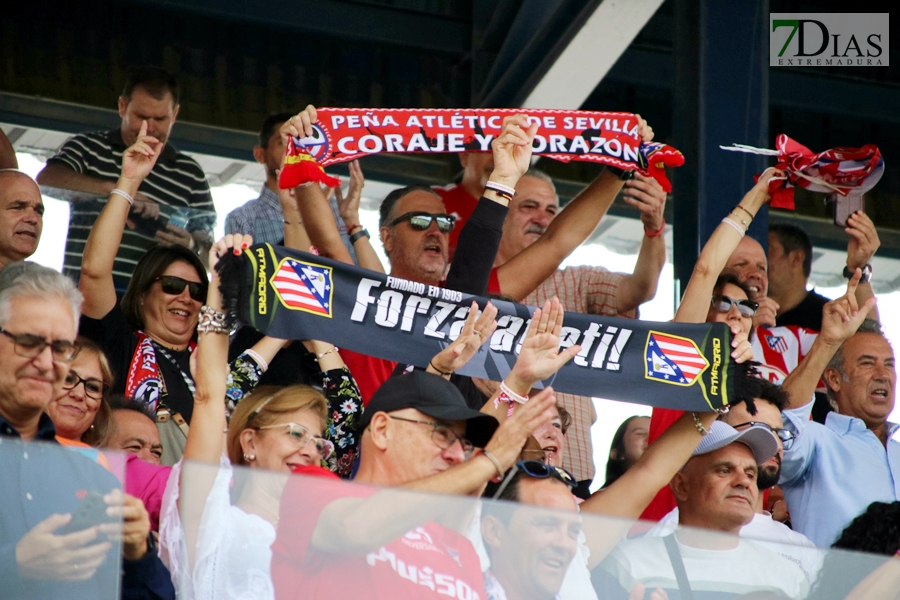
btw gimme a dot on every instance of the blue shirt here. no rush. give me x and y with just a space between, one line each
834 471
263 218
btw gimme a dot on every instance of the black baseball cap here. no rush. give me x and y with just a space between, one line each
433 396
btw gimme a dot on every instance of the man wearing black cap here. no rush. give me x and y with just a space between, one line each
716 489
354 542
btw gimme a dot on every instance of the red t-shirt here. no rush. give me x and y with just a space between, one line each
459 203
368 371
429 562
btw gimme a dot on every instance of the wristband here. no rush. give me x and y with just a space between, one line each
752 216
510 397
504 191
124 194
263 363
653 234
358 236
443 373
734 226
350 228
703 430
496 464
866 273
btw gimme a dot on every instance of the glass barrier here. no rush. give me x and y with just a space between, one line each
254 533
56 539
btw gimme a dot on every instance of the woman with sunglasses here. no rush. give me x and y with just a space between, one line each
272 431
149 337
80 413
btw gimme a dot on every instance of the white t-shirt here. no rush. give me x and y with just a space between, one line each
234 548
770 534
741 570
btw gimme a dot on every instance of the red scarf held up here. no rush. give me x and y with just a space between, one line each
344 134
839 171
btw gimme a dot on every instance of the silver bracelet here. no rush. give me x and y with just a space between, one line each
124 194
703 430
212 321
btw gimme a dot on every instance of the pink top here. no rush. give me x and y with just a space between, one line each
147 482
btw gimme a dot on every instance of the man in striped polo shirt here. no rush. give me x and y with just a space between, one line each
166 204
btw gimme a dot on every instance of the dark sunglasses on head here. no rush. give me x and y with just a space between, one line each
175 285
420 221
723 304
538 470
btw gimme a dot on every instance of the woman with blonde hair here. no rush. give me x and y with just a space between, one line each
80 412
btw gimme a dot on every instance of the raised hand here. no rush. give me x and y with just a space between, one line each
234 242
300 125
743 351
348 207
648 196
765 314
512 150
477 329
843 316
139 158
863 242
645 132
540 356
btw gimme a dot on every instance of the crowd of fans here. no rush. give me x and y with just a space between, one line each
128 351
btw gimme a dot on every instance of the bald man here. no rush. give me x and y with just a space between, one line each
21 216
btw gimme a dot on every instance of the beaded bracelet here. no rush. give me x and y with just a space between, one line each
703 430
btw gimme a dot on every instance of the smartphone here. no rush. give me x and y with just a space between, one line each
844 206
91 512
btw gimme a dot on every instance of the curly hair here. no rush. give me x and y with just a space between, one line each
877 530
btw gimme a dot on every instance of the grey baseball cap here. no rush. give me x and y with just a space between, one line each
759 438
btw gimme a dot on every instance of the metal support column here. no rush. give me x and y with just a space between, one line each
721 96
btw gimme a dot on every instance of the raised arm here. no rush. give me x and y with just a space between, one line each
522 274
863 244
103 242
840 320
723 241
7 153
647 195
348 208
315 213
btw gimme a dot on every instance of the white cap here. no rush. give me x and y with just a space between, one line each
759 438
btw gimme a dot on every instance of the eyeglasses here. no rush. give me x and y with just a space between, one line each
175 286
29 346
442 436
538 470
302 436
723 304
93 388
787 437
420 221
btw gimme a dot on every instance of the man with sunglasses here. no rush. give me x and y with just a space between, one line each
43 484
417 433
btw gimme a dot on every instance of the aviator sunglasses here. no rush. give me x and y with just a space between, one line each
420 221
175 285
538 470
723 304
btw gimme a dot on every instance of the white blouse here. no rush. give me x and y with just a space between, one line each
234 548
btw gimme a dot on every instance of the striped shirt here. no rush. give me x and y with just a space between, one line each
175 181
588 290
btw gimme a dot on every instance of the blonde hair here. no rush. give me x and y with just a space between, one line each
264 406
102 428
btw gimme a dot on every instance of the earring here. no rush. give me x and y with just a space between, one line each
249 457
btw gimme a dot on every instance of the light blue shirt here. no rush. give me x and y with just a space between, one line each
834 471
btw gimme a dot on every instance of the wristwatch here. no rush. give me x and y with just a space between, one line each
359 234
866 273
620 173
